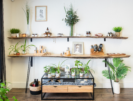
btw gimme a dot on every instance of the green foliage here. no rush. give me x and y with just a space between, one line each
78 63
25 47
14 48
117 29
46 69
118 70
3 91
27 13
52 70
71 16
72 70
13 30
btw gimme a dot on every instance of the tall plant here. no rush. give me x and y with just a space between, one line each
3 91
77 64
118 70
71 18
27 13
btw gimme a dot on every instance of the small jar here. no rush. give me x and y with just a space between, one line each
24 35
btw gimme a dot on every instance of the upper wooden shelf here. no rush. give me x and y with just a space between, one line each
69 37
86 56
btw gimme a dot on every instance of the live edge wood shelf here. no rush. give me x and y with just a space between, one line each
86 56
104 37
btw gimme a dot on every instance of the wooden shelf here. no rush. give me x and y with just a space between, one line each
70 37
86 56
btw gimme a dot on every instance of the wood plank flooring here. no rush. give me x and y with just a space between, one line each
100 95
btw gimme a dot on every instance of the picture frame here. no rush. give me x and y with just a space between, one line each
78 48
40 13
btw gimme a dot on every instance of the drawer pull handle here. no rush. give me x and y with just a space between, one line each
80 86
55 86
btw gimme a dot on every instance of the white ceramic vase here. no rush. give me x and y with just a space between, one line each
81 74
116 88
57 75
49 75
28 29
73 73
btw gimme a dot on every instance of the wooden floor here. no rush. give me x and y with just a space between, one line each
100 95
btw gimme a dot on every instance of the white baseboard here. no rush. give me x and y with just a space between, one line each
98 85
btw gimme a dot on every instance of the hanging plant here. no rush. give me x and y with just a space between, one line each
71 18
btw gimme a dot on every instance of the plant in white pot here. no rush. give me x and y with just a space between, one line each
117 31
14 32
46 70
118 71
52 71
58 72
73 72
25 47
81 72
77 64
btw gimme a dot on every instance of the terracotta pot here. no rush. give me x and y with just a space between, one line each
117 34
17 53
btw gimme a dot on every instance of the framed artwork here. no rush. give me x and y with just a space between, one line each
40 13
77 48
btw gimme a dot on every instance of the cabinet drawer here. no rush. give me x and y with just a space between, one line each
80 89
54 89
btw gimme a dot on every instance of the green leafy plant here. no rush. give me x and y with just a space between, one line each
14 48
87 68
25 47
13 30
46 70
118 70
27 13
117 29
72 70
71 18
80 70
78 63
52 70
3 91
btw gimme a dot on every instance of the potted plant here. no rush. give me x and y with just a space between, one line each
73 72
46 70
49 74
3 91
81 72
118 71
58 72
14 49
117 31
52 71
71 18
78 63
14 32
25 47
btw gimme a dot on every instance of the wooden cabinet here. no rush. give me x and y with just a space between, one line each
67 89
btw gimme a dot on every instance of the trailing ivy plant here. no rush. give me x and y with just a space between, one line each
118 70
71 18
3 91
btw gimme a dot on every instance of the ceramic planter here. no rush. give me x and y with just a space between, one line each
14 35
117 34
73 73
116 88
57 74
23 52
17 53
86 75
53 74
49 75
81 74
14 53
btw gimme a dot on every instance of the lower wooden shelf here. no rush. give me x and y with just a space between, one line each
72 56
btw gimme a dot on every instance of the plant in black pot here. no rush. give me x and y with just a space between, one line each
118 71
71 18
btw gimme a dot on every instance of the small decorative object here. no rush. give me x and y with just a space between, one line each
26 47
40 13
27 13
71 18
49 75
77 48
14 32
114 54
33 35
60 34
36 35
78 34
117 31
99 34
23 35
14 49
95 50
88 33
119 72
67 69
47 33
67 53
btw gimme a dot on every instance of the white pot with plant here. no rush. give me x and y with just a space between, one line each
81 74
52 71
73 72
25 47
77 64
49 75
14 49
58 72
118 72
14 32
117 31
46 70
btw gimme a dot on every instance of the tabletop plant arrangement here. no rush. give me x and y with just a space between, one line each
118 71
14 32
71 18
77 64
25 47
117 31
3 91
14 49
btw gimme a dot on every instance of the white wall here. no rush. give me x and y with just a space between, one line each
95 16
7 26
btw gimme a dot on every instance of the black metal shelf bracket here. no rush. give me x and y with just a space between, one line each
30 39
104 39
105 62
67 39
